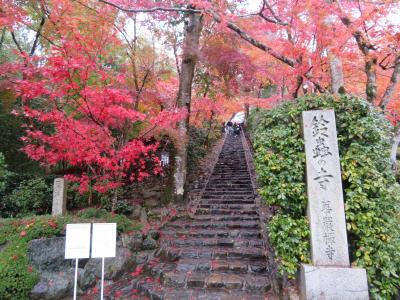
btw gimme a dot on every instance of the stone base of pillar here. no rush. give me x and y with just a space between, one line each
333 283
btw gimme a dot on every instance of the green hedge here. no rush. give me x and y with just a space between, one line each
372 197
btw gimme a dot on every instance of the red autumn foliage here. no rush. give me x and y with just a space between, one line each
80 111
138 271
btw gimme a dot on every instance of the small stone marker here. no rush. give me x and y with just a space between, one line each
59 197
330 276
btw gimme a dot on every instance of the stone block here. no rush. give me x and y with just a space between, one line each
133 242
215 281
175 280
333 283
54 286
59 197
196 280
233 282
203 266
48 254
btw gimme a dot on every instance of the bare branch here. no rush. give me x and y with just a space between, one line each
38 34
175 50
386 65
16 42
360 37
217 18
255 42
276 19
268 19
387 97
149 10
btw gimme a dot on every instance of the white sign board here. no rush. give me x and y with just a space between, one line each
104 240
77 241
324 189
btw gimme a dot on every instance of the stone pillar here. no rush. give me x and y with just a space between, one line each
59 197
330 276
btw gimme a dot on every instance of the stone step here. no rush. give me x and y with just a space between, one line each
212 186
229 183
213 195
227 187
216 281
235 169
229 191
226 195
223 211
231 180
156 291
249 199
222 201
229 206
227 179
234 165
242 266
217 218
216 225
216 242
232 170
188 265
231 175
210 233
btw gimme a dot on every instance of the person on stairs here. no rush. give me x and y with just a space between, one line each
229 127
236 129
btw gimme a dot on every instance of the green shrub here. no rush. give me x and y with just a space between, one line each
17 277
3 174
32 196
371 195
76 200
124 224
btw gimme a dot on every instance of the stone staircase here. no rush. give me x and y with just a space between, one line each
217 254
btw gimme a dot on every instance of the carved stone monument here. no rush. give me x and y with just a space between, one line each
330 276
59 197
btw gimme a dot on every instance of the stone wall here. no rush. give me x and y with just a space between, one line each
57 273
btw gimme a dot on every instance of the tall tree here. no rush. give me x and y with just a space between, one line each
190 54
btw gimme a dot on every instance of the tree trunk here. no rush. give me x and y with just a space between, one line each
335 63
299 83
370 71
246 113
193 27
336 70
3 34
393 154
